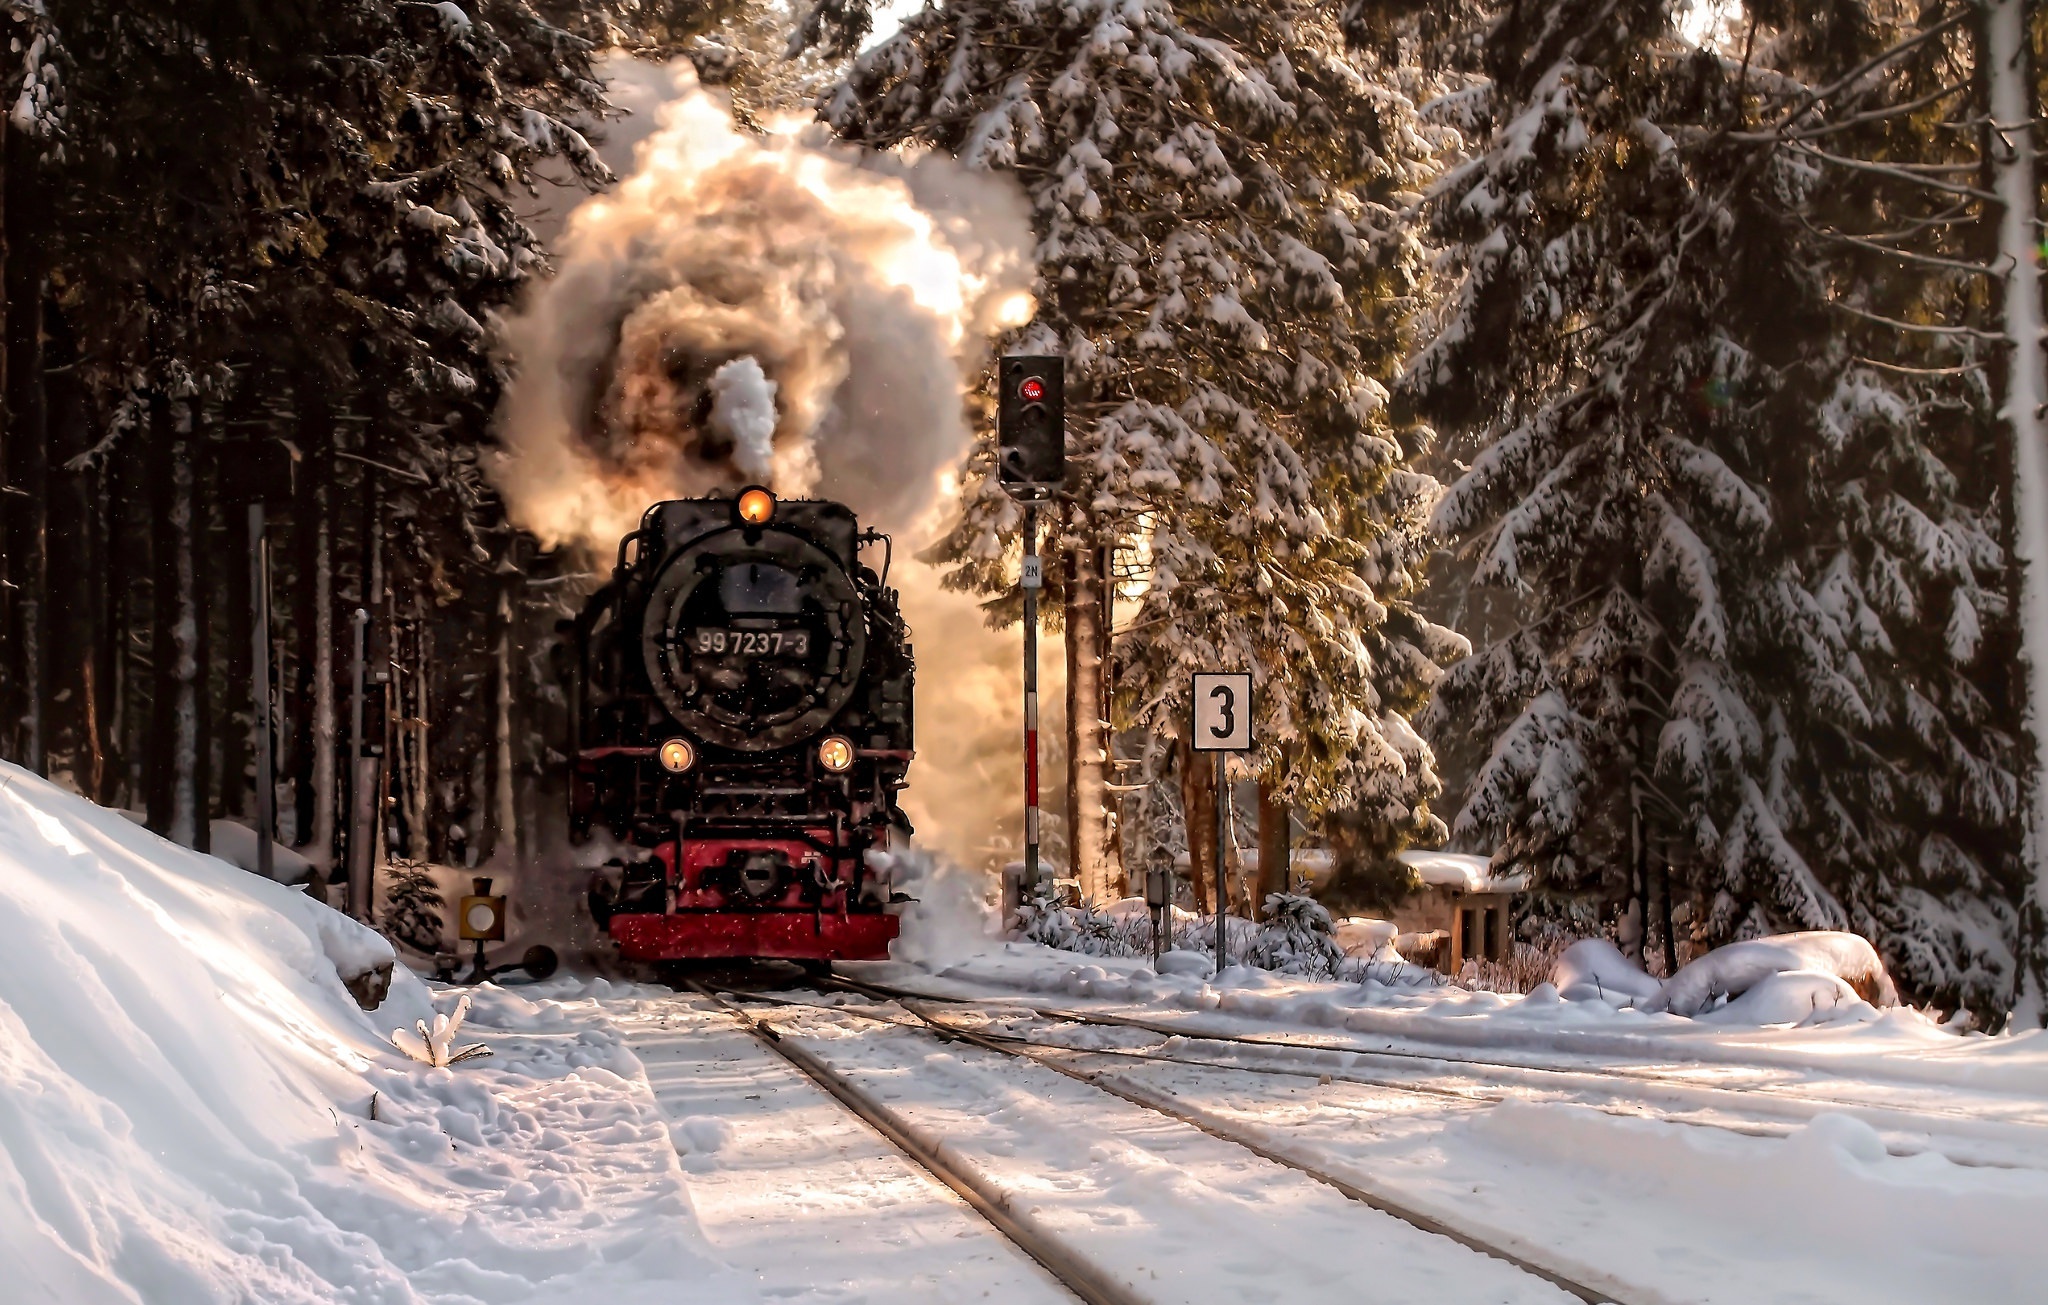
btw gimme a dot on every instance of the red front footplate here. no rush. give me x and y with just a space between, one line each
784 935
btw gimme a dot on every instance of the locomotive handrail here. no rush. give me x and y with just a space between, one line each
888 550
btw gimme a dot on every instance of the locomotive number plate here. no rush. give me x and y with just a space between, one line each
752 643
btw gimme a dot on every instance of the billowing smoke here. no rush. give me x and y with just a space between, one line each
750 308
780 309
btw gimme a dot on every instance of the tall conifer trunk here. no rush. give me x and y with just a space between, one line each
1275 846
1198 809
30 473
1087 740
2009 82
321 842
173 750
10 502
504 805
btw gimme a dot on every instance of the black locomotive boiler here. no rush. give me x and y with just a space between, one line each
741 692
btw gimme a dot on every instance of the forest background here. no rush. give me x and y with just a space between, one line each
1594 422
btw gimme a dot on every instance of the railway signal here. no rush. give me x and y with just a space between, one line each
1031 424
1031 464
1222 724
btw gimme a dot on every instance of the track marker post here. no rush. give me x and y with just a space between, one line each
1222 725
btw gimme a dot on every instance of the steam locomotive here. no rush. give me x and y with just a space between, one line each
741 695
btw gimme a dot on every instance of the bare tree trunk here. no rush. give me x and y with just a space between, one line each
2009 80
10 500
320 848
505 809
174 746
419 791
1087 742
1198 810
161 743
1275 845
30 475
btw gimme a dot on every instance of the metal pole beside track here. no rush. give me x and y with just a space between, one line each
1032 577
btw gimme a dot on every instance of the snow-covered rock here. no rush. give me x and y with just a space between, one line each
1733 970
1593 969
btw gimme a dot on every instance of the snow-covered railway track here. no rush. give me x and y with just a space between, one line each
1639 1091
937 1153
989 1202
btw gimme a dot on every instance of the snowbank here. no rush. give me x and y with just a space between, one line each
193 1109
1733 970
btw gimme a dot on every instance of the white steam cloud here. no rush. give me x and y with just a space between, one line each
772 308
784 310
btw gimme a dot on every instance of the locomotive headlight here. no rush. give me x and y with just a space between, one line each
755 505
835 754
678 756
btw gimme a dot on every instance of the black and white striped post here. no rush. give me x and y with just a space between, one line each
1222 725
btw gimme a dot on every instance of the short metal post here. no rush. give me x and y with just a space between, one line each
1031 574
259 601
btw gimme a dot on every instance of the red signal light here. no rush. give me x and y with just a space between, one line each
1032 389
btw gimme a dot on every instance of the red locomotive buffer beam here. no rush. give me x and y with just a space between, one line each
747 897
781 935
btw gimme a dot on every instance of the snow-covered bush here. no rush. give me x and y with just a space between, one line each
1296 938
1525 967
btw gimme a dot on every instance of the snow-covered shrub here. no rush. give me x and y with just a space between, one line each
435 1044
1296 938
1526 966
1086 928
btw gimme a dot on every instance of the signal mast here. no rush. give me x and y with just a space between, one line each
1031 465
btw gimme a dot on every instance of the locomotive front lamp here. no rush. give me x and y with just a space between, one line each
756 505
836 754
678 756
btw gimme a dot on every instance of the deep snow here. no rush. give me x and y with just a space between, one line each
193 1109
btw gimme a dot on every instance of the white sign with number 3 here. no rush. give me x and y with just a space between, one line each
1223 712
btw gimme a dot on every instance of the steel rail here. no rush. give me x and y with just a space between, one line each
986 1200
1215 1128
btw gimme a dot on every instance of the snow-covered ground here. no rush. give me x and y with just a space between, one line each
193 1109
1690 1160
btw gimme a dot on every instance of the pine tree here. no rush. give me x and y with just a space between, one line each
1730 589
1217 189
412 906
